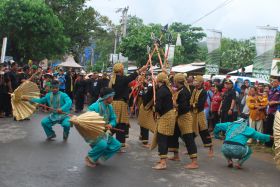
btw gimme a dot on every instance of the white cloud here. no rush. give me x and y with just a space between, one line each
237 20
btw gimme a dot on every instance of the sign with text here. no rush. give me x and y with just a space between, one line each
265 45
3 51
213 61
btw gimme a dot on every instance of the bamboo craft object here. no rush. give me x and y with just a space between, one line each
24 109
276 133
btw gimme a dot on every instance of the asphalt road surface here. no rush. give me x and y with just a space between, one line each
26 159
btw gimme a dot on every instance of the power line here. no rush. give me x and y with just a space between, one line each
225 3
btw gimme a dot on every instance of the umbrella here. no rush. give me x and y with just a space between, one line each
70 62
90 125
276 131
24 109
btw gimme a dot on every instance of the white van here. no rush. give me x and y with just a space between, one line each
240 79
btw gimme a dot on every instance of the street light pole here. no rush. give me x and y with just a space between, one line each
116 38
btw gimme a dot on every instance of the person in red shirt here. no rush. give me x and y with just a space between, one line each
215 105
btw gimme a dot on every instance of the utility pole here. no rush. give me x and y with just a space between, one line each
123 20
116 40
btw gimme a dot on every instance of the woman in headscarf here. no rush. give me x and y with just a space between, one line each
235 144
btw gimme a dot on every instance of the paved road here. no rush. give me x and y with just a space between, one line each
26 159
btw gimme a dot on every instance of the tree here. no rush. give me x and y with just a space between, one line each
190 37
134 22
134 45
237 53
178 55
33 30
78 20
202 51
104 46
277 46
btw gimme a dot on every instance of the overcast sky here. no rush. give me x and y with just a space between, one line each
236 20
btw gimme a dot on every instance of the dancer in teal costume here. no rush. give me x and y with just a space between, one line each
61 103
235 144
105 146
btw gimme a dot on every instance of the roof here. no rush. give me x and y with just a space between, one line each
70 62
248 69
184 68
132 68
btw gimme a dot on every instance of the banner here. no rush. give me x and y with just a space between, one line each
114 58
275 68
178 40
124 61
170 57
265 44
44 64
3 52
213 61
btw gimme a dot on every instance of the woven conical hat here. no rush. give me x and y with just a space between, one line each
24 109
276 131
90 125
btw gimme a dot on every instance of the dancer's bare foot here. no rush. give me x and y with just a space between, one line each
230 163
122 150
89 163
51 137
185 153
160 166
146 145
238 166
211 152
192 165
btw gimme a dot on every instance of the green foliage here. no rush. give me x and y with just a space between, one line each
134 22
237 53
104 46
178 55
33 30
190 37
78 20
202 52
277 46
278 66
95 68
134 45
